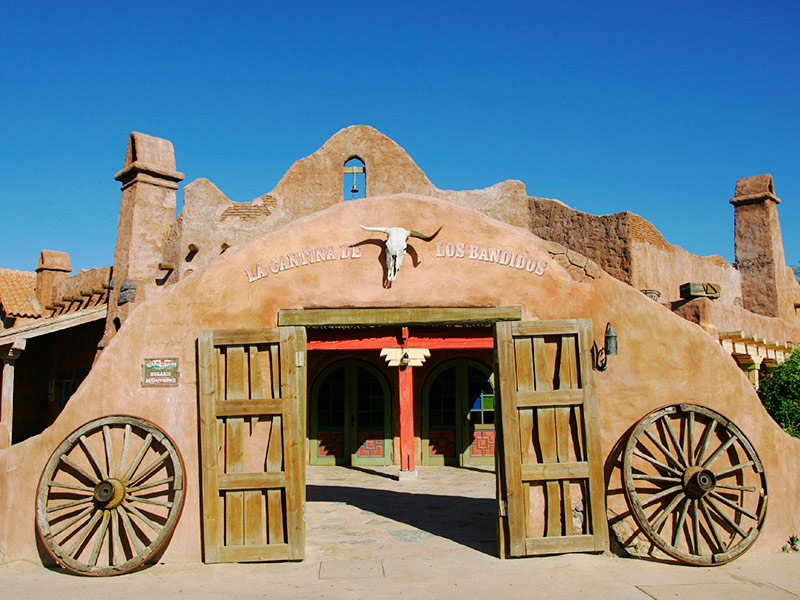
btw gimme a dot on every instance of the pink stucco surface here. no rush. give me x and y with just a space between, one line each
663 359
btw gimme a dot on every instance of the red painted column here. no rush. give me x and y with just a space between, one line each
407 462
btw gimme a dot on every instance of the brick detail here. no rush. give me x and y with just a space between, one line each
370 444
331 443
482 443
261 207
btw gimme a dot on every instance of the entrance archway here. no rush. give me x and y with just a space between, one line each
458 424
350 415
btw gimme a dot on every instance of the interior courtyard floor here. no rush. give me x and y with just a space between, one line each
372 536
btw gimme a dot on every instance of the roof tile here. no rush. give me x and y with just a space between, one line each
18 293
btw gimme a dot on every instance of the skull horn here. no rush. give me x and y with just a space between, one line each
426 238
381 229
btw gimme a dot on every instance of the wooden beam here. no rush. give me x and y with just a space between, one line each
397 316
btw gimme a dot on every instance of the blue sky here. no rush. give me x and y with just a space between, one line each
653 107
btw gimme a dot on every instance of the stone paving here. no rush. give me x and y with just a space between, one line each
370 536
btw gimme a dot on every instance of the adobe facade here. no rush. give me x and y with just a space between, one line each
299 248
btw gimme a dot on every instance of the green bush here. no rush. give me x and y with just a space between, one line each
780 393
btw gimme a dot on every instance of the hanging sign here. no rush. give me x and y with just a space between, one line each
160 372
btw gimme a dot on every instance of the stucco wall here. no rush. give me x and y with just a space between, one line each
663 359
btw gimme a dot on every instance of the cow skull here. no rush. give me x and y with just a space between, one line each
396 245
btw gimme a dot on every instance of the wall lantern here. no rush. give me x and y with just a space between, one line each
404 360
601 355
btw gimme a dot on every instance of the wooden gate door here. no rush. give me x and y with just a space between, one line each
252 400
549 466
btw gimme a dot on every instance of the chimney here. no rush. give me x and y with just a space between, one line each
53 268
147 210
766 288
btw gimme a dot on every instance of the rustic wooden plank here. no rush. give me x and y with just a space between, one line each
559 545
546 424
301 359
249 407
563 437
275 369
548 398
292 445
207 368
552 471
251 481
242 337
525 380
591 412
516 518
542 328
398 316
275 465
255 553
236 389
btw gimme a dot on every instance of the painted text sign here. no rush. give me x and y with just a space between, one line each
159 372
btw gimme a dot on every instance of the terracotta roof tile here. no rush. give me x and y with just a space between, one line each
18 293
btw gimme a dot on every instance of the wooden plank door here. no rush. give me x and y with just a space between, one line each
252 423
549 467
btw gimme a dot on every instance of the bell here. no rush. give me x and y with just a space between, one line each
354 190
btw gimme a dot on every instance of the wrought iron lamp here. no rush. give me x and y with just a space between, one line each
601 355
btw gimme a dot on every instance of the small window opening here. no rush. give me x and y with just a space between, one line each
354 179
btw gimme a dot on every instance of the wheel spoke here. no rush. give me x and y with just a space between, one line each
162 457
695 528
704 440
661 494
126 438
675 442
138 459
647 477
150 501
99 468
152 484
118 552
711 525
734 506
133 538
727 519
68 461
101 534
109 451
681 519
84 500
134 511
70 486
740 488
87 529
656 462
713 458
734 469
64 526
668 510
663 449
690 439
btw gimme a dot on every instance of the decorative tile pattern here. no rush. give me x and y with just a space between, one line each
331 443
442 443
370 444
482 443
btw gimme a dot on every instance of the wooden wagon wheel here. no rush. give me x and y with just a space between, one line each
110 496
695 485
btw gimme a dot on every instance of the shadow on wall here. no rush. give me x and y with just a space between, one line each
470 522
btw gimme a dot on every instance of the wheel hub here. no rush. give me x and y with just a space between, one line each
697 482
109 493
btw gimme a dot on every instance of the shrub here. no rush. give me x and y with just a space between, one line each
780 393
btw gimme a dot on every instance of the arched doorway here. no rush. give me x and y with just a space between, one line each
458 414
350 416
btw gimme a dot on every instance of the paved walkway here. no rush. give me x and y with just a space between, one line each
370 536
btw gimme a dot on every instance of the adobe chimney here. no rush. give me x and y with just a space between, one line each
53 268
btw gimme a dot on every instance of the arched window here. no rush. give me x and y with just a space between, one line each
354 179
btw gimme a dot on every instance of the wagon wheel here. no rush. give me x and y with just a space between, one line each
694 484
110 496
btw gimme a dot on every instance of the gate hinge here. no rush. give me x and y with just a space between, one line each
502 508
300 359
